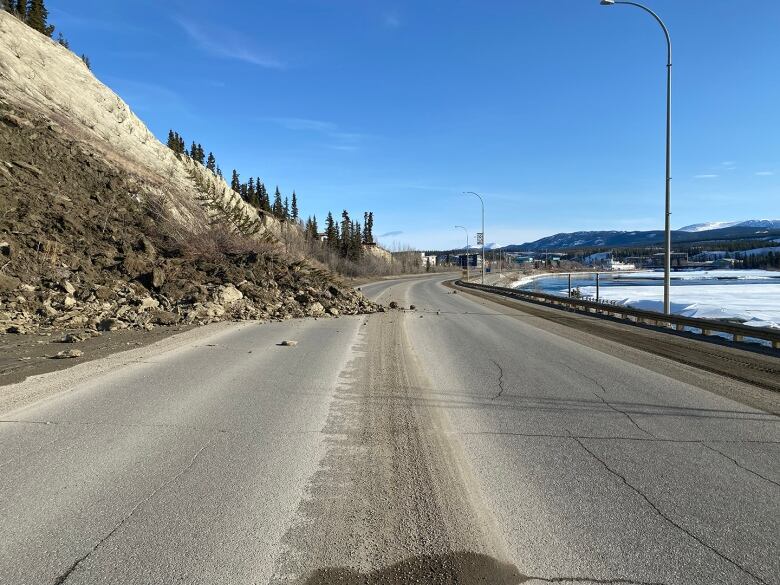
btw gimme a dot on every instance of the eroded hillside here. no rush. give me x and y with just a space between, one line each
102 226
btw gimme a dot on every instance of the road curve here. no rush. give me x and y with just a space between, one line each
462 442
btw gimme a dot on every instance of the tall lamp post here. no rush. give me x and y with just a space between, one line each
467 250
667 224
482 201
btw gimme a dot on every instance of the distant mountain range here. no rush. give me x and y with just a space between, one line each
760 229
714 225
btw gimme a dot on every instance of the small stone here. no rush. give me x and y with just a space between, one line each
69 302
333 311
72 338
69 353
412 307
289 343
393 305
17 329
68 287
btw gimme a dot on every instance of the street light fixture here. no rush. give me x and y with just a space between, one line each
467 250
668 215
482 201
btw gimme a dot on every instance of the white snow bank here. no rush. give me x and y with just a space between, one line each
701 275
757 305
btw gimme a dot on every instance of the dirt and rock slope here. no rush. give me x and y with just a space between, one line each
102 227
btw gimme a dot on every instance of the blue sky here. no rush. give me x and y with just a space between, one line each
552 109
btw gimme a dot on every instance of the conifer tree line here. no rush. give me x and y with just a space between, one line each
346 237
35 15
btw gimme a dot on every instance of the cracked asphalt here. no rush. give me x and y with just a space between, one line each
463 442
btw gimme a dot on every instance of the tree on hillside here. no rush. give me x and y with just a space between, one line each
37 17
286 209
331 232
251 194
294 207
63 41
211 163
87 62
369 228
278 207
346 233
235 183
265 200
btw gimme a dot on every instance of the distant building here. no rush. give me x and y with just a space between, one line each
474 260
524 259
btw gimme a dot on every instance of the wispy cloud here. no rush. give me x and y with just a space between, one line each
391 20
765 173
706 176
390 234
228 44
337 138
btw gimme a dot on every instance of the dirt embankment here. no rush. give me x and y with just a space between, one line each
84 249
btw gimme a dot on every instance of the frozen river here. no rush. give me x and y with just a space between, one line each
750 296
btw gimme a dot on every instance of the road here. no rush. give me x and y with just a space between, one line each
462 442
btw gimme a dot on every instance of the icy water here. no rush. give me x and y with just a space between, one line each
750 296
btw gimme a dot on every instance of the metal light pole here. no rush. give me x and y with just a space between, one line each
667 223
482 201
467 250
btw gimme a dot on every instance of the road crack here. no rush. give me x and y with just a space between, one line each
738 464
66 575
500 380
658 511
617 581
607 403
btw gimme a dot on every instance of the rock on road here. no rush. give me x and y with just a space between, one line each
462 442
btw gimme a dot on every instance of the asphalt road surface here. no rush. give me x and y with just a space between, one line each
462 442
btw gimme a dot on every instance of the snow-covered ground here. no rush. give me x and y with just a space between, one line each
757 305
701 275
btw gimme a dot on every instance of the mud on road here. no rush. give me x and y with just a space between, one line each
393 501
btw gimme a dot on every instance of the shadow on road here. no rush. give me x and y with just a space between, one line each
464 568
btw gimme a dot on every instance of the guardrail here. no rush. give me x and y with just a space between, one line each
737 331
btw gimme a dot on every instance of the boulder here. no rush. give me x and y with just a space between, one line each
68 353
9 282
228 294
315 310
148 303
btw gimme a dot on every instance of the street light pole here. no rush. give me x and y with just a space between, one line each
482 201
668 216
467 250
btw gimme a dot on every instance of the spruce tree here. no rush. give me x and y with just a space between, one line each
193 153
346 233
265 201
171 140
286 209
370 228
294 207
235 184
278 207
63 41
87 62
314 229
37 17
331 232
211 163
251 194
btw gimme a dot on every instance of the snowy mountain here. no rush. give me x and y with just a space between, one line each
716 225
